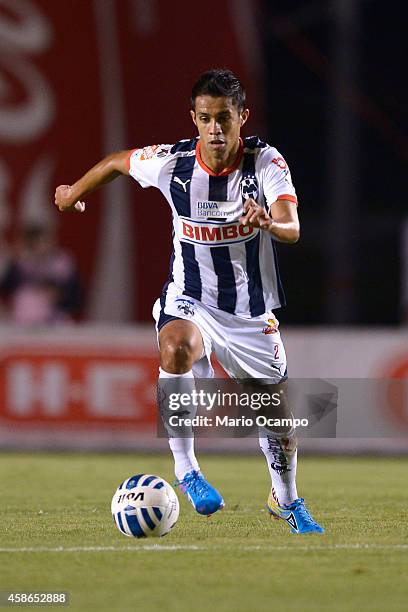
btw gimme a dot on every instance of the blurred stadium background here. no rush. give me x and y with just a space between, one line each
80 78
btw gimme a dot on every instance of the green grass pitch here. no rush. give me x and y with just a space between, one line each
58 507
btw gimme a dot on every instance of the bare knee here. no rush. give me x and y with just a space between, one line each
177 355
181 345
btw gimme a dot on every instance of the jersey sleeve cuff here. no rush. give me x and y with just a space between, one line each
286 196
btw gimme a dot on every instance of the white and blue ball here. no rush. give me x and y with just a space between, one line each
145 506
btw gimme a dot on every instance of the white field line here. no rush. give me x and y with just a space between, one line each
187 547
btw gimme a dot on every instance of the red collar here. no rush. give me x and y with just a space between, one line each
226 170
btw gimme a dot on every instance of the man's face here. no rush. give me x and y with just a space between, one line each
219 124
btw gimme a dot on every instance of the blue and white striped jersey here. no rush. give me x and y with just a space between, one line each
216 259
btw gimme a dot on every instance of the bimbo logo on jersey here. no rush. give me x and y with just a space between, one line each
214 233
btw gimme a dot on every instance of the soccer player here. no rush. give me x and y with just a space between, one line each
231 199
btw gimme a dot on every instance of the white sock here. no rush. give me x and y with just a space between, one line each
182 448
184 457
282 467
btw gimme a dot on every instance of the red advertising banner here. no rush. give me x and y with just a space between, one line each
88 388
48 63
80 78
94 387
79 385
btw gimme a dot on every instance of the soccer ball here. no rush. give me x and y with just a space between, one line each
145 505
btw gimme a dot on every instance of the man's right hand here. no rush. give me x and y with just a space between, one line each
65 201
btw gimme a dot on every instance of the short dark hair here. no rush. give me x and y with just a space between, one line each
218 83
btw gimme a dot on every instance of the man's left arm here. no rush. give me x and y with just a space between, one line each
279 216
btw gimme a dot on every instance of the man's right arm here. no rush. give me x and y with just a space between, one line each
66 196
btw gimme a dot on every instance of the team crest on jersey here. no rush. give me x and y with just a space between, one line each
249 188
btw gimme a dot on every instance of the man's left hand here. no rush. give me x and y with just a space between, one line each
255 215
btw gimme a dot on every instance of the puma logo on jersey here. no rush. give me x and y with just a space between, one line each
178 180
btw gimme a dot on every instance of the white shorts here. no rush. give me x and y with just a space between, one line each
245 348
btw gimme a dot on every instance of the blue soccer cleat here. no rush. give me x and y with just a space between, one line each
296 515
205 499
